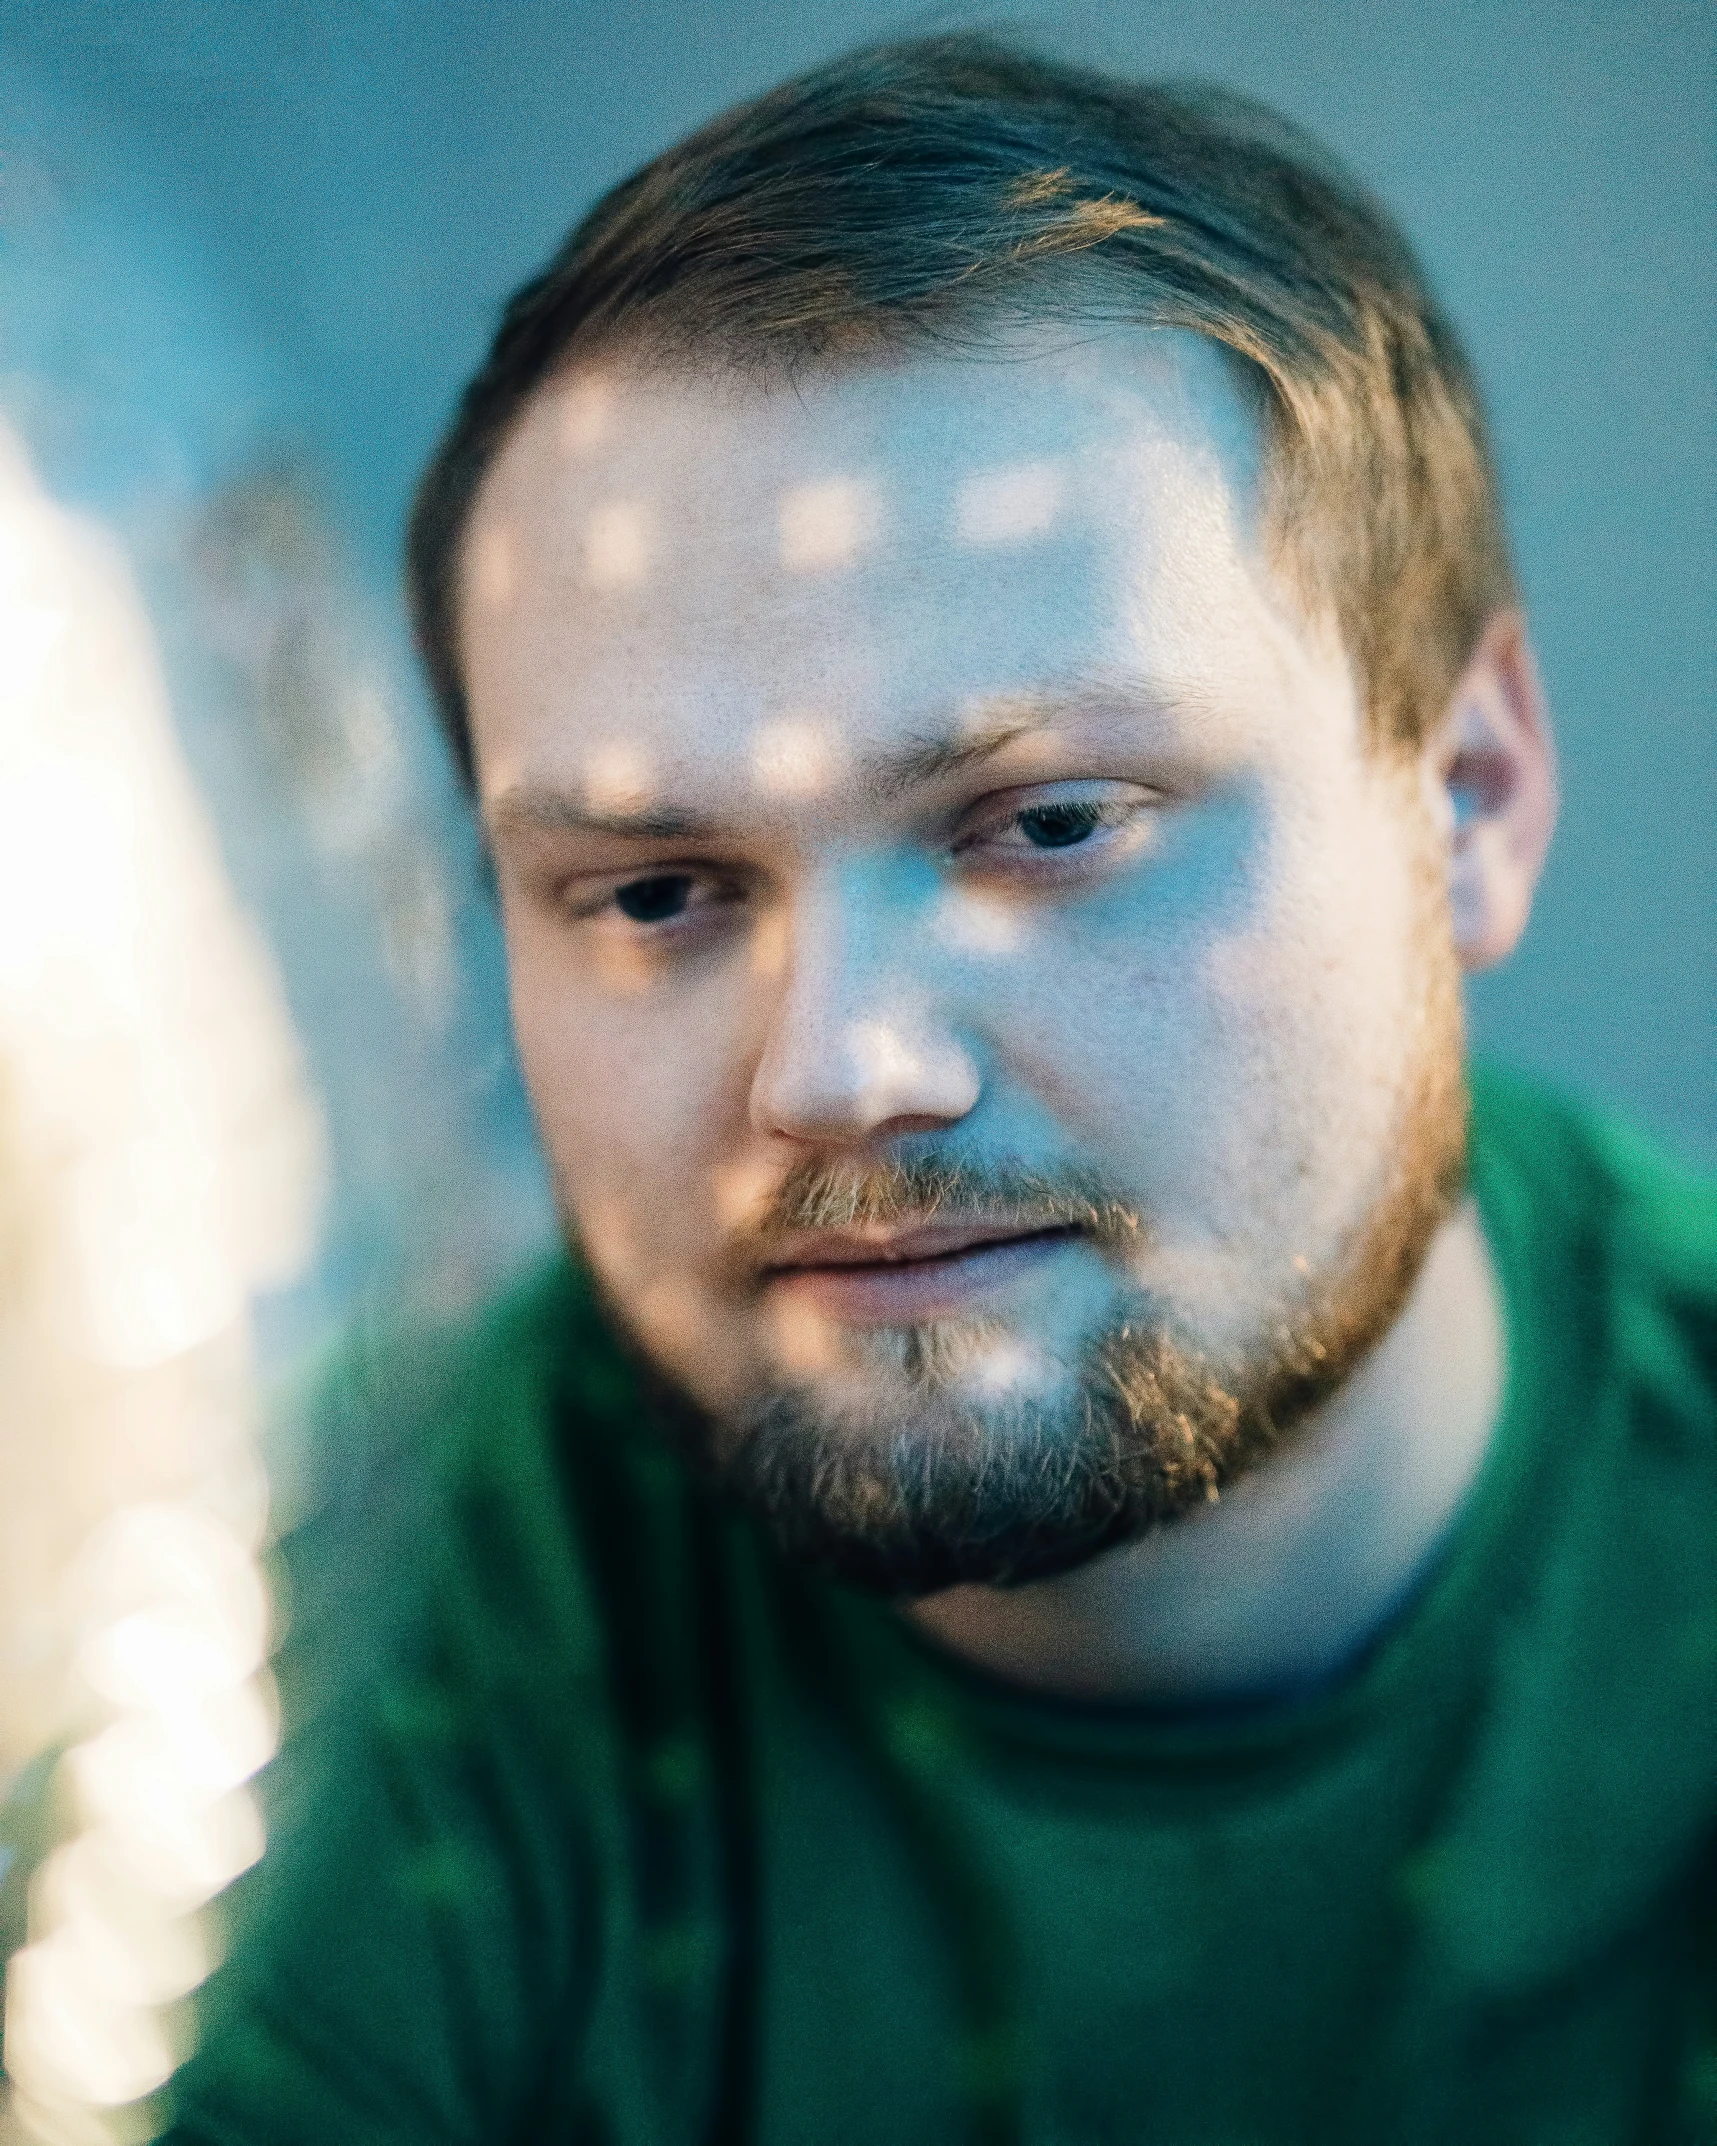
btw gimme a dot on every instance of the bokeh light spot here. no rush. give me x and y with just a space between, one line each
617 544
825 526
797 756
617 776
1012 505
586 414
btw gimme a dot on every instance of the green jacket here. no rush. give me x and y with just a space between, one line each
598 1822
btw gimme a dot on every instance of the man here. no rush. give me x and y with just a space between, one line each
1087 1549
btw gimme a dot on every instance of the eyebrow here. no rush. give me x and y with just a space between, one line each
922 761
883 778
530 809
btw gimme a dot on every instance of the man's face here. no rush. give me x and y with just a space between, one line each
990 1014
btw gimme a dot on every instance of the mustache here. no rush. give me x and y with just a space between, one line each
823 1195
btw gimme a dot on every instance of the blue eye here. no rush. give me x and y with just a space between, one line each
1059 826
656 899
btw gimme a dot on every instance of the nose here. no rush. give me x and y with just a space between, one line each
855 1047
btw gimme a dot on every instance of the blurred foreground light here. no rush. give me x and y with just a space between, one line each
86 2044
159 1165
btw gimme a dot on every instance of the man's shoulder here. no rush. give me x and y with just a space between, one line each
1608 1248
1627 1222
454 1479
440 1399
397 1373
1597 1779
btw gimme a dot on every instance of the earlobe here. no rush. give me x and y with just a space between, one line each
1492 767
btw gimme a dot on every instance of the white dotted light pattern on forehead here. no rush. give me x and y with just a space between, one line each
821 527
619 538
830 525
1012 505
799 756
585 417
617 776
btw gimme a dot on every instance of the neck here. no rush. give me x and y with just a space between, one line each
1282 1582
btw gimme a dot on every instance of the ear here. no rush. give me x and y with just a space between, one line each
1490 768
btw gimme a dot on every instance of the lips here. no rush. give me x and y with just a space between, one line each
890 1248
883 1277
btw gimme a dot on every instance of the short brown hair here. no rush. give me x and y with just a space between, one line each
930 191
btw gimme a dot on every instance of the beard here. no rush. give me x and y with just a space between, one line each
936 1480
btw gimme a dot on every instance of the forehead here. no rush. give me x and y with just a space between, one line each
672 571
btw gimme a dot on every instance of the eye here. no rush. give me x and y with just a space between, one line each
1060 826
677 903
656 899
1028 830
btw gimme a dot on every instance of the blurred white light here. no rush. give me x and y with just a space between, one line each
163 1159
52 809
131 1953
32 631
166 1658
66 2039
180 1848
156 1556
147 1235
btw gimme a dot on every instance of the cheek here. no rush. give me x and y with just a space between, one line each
1123 1011
1231 1040
1317 1013
636 1095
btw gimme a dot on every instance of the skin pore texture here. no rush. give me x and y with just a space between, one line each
991 1013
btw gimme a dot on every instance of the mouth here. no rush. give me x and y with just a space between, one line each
898 1277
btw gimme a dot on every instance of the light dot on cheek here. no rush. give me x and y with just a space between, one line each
975 926
803 1342
770 941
